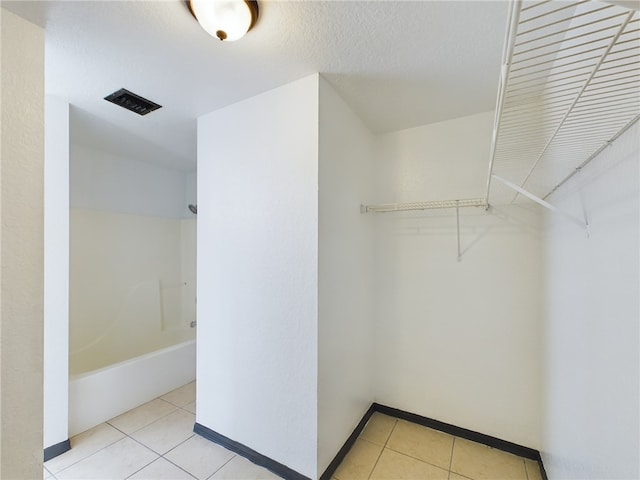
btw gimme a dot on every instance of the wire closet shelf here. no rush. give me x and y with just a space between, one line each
569 86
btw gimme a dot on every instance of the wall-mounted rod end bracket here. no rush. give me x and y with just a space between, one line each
364 209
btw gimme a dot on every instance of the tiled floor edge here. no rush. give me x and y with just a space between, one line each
467 434
342 453
57 449
248 453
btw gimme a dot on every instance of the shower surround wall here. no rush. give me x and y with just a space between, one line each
132 261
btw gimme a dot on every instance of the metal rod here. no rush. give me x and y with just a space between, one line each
585 98
535 5
507 57
551 12
540 201
568 39
458 225
621 59
546 76
553 52
552 95
575 27
531 109
542 121
612 84
595 106
547 84
613 74
553 67
539 98
430 205
635 76
586 85
564 20
554 60
597 115
619 66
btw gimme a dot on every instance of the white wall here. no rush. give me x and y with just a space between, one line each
456 341
258 274
56 272
591 334
21 247
345 283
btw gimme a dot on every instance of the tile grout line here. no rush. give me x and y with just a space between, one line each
175 409
453 446
382 450
222 466
176 465
127 435
404 454
91 455
416 458
141 468
173 448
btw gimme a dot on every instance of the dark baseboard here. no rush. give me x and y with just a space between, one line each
335 463
246 452
488 440
57 449
543 472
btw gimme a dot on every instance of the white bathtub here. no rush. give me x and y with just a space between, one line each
99 395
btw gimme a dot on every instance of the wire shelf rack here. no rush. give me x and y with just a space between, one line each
569 86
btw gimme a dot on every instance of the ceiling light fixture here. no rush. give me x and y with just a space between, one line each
228 20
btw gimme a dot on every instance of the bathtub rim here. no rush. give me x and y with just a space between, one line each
130 361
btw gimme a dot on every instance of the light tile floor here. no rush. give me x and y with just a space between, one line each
392 449
156 441
152 442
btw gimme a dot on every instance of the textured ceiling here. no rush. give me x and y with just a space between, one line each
398 64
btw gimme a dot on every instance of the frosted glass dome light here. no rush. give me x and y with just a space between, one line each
227 20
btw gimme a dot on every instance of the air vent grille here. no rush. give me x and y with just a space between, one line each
129 100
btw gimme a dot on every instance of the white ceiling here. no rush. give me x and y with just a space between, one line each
399 64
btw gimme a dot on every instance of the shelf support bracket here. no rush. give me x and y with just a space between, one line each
458 227
538 200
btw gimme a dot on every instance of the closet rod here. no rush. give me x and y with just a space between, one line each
430 205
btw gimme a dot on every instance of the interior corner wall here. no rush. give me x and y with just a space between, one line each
21 246
56 272
258 273
456 341
345 282
591 332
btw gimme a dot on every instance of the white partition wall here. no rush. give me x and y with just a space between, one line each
591 332
258 273
345 282
56 272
